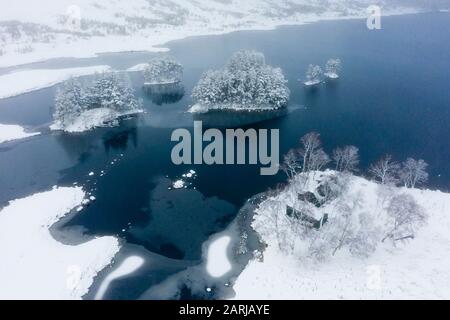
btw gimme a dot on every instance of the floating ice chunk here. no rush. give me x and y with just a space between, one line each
218 263
179 184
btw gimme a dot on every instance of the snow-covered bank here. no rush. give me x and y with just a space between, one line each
412 269
16 83
34 265
9 132
95 118
199 108
51 29
312 83
331 75
138 68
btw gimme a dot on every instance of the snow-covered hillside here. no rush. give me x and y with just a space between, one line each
409 269
38 30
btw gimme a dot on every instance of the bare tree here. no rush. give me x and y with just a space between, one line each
318 160
405 217
413 172
311 144
385 170
346 159
292 163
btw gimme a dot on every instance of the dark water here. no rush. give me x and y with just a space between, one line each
393 97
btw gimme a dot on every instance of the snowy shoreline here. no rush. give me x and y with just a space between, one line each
10 132
20 82
34 264
200 109
95 118
95 46
25 81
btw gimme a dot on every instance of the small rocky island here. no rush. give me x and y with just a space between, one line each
246 83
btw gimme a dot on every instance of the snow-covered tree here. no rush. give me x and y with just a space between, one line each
333 68
413 172
312 154
318 160
291 163
346 158
366 239
112 91
162 70
314 75
405 217
385 170
347 228
245 82
70 102
108 90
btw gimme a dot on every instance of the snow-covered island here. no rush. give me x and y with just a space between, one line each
333 235
333 68
163 80
246 83
162 71
314 75
34 264
101 102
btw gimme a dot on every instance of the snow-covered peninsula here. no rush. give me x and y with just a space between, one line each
35 265
297 265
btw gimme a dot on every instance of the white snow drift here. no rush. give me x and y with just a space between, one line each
217 262
9 132
16 83
36 266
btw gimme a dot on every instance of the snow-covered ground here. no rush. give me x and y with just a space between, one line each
312 83
36 266
34 31
9 132
139 67
94 118
128 266
416 269
199 108
16 83
331 75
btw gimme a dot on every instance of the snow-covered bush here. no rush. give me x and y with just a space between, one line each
333 68
107 97
405 217
367 237
314 75
163 70
347 228
246 82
